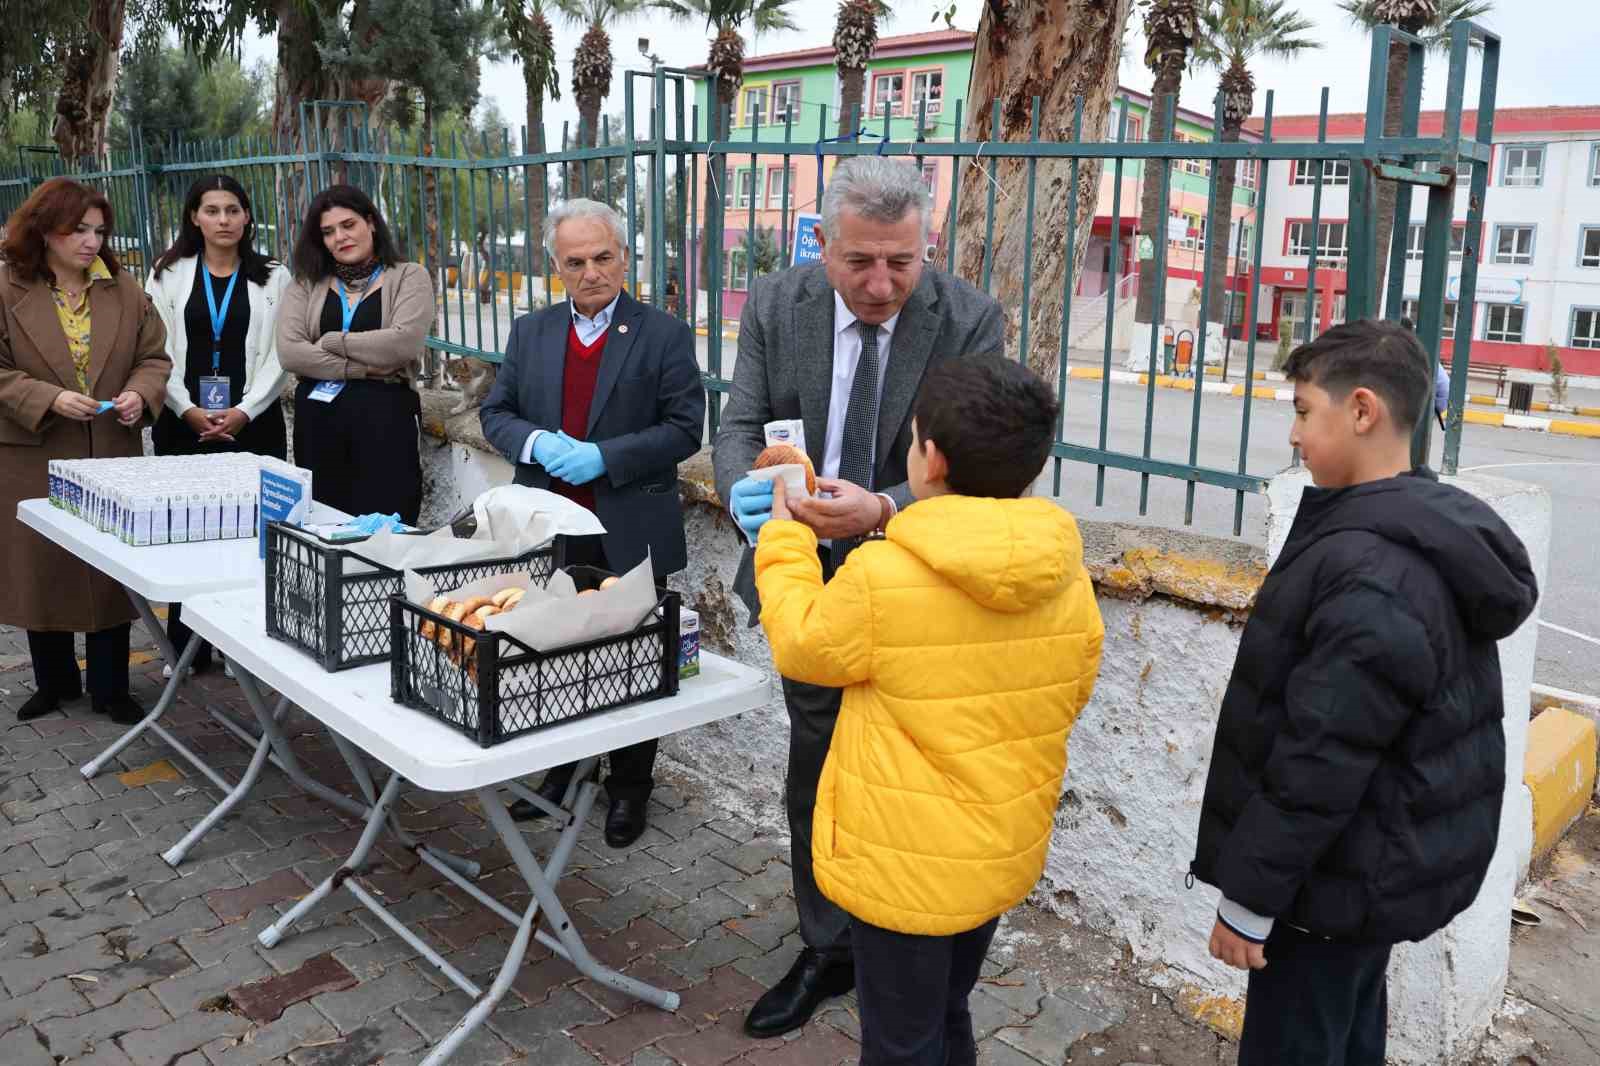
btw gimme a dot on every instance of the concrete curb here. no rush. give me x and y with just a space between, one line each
1559 770
1557 426
1537 405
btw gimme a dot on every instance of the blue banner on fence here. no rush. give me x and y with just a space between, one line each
806 248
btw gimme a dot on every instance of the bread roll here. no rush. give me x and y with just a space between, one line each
437 605
455 612
608 582
785 454
476 602
505 599
475 620
588 592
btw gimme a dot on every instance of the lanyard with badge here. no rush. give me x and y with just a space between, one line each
325 391
216 391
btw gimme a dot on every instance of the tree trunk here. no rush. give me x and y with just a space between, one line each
533 143
89 77
299 78
1386 191
852 96
593 171
1218 244
1152 208
430 225
1058 50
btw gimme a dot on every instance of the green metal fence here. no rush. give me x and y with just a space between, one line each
464 206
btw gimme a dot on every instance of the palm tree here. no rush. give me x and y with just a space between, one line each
727 17
1430 20
1232 33
1170 27
855 38
531 37
592 62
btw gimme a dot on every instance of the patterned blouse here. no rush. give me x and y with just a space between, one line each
75 321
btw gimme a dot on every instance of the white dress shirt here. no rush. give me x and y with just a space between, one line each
589 330
846 357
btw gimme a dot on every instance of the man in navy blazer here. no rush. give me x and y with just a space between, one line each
599 399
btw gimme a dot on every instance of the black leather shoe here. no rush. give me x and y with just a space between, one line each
624 822
523 811
790 1003
39 704
121 709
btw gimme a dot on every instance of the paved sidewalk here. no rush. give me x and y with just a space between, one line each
110 957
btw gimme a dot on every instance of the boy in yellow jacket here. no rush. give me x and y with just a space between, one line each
966 640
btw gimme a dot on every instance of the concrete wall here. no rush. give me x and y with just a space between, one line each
1173 605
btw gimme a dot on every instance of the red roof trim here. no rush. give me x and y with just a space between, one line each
1508 121
888 48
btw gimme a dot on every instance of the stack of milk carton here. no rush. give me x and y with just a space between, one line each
171 499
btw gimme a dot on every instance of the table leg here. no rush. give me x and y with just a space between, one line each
174 855
169 695
542 885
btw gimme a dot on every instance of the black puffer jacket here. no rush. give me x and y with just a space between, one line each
1356 780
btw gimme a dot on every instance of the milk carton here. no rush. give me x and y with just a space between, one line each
688 643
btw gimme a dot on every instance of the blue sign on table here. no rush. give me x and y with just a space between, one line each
806 248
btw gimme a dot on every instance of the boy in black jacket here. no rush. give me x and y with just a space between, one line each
1355 787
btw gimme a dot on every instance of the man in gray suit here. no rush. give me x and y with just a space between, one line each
843 347
599 399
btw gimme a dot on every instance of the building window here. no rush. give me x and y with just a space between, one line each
1513 244
1333 241
1589 246
1334 172
930 178
1247 174
735 269
1585 327
755 104
775 187
1201 167
1594 165
1503 322
1135 131
1524 167
1447 326
1415 237
786 101
927 85
1414 244
888 93
745 183
1194 225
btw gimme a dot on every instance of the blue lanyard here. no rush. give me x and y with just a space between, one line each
345 309
217 317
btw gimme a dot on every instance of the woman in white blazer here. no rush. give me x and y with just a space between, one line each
218 297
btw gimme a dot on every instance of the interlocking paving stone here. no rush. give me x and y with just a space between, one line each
161 962
24 884
21 1047
712 1046
264 1001
118 913
92 891
231 904
698 958
189 918
160 1046
1058 1024
192 991
617 1039
71 1037
350 1009
300 1025
196 881
21 976
210 948
325 938
529 1027
383 1037
55 999
437 1016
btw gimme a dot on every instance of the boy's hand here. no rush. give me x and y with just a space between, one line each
852 512
1235 950
780 508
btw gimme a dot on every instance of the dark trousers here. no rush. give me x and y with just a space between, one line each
1317 1003
361 448
913 994
179 635
632 773
55 663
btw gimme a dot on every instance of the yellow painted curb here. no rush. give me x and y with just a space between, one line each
1086 373
1574 429
160 770
1560 772
1216 372
1484 418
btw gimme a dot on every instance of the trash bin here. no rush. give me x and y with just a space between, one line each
1521 397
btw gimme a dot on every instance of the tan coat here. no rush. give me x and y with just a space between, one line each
407 312
43 587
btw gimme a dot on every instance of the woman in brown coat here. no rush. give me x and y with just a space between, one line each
75 330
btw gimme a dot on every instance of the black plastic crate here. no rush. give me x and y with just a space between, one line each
493 688
332 604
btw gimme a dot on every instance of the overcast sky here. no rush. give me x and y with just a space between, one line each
1548 57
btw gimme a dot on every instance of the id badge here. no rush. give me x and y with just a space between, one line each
326 391
216 394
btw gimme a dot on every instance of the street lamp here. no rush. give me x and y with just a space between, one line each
644 50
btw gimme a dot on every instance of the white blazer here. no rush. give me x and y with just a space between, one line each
264 377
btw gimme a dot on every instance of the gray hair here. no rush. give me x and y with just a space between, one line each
877 188
568 210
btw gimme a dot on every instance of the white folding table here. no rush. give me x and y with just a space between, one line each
176 573
356 708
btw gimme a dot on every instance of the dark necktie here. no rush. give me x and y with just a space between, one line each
860 427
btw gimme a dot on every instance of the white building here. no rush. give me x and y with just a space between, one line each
1538 254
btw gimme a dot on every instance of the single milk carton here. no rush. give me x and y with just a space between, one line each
213 514
160 520
230 516
197 516
688 643
143 508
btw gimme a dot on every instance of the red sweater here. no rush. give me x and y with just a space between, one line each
578 378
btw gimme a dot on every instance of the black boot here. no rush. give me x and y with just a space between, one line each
554 791
120 708
813 978
39 704
625 822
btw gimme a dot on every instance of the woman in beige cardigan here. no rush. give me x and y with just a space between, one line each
76 332
353 326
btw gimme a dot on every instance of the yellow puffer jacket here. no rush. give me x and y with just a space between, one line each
966 643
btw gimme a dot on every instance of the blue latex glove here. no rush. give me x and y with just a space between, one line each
548 447
751 504
580 464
